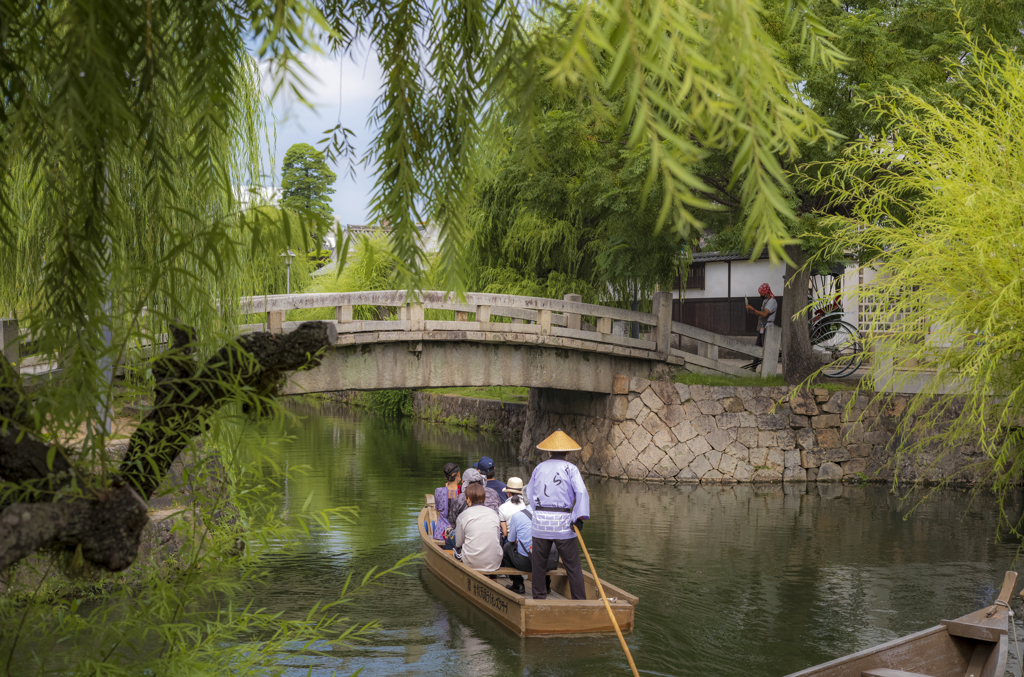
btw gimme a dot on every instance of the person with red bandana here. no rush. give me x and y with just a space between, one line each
769 306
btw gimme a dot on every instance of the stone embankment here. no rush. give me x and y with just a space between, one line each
657 430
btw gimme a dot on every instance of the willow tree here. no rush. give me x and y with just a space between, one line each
127 127
564 209
935 215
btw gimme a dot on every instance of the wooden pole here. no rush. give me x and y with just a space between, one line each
600 589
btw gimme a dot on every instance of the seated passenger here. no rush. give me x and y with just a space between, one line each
476 532
516 552
486 467
472 476
514 504
445 495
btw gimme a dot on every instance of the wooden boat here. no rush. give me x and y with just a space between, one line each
556 615
971 646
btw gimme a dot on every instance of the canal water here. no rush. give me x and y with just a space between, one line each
733 581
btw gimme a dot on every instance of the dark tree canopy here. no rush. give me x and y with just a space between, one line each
565 206
889 44
307 183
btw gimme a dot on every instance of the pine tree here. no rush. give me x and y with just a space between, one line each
306 183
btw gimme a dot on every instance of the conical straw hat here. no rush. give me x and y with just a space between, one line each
558 441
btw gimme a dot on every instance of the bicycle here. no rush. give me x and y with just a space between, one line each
837 344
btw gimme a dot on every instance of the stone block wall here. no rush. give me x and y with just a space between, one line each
663 431
505 417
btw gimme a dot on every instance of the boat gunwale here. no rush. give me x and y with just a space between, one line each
864 653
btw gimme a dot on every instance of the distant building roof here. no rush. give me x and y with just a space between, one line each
712 257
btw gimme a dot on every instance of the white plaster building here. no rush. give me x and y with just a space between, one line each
712 295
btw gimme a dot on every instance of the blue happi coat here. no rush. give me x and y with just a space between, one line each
556 484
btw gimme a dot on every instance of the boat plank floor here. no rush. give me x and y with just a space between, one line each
529 590
887 672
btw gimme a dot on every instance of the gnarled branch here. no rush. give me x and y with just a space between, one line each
107 523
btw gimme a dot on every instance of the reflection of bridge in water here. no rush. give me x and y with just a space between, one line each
489 340
495 340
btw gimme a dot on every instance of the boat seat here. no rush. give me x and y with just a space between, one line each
888 672
506 571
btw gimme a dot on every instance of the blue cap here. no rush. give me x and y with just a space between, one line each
485 464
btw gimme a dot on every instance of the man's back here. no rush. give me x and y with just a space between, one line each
499 487
476 532
493 501
520 530
557 496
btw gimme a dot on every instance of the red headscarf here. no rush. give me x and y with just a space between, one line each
765 289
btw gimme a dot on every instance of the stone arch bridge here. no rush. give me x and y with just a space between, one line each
434 340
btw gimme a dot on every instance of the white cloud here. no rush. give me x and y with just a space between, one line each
359 82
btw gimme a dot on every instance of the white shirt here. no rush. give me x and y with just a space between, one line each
476 532
771 305
508 508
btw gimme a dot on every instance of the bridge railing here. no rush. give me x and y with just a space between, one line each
499 317
525 315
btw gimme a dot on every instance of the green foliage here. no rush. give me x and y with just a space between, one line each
888 44
388 403
318 258
189 613
500 393
370 267
665 61
576 199
265 271
892 44
306 183
936 207
565 211
131 130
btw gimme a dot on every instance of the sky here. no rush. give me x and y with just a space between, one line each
358 80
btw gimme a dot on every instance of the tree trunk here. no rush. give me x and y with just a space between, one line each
798 360
105 518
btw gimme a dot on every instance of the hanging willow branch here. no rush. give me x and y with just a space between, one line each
106 520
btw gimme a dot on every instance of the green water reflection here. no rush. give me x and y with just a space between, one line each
734 580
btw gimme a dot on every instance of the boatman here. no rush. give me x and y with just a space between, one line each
559 500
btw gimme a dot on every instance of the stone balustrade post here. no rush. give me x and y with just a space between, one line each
772 346
10 340
708 350
414 315
483 314
572 320
275 321
662 307
343 313
544 320
604 325
461 316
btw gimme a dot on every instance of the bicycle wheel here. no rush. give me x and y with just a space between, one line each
839 347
